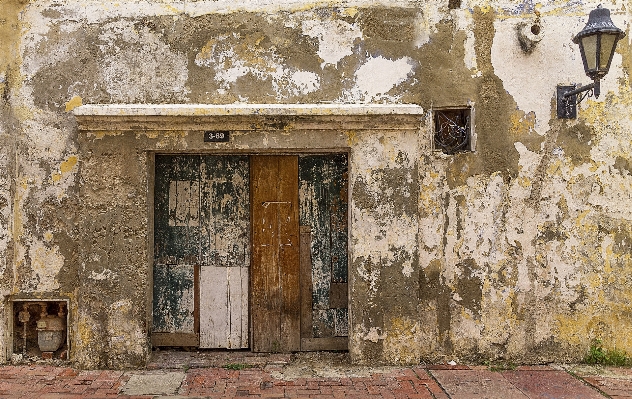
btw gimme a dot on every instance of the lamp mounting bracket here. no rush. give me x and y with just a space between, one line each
567 98
566 105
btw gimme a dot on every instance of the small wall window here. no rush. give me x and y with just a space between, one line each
453 130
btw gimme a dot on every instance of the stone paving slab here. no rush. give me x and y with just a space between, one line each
612 387
545 384
476 384
616 382
154 383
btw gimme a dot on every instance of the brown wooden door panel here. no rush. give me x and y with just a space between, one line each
275 303
289 253
264 277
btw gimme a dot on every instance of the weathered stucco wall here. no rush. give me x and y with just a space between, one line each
519 250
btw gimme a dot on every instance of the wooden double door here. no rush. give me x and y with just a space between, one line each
251 252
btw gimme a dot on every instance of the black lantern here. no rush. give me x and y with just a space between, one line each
597 43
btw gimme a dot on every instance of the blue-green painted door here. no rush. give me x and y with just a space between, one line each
201 251
323 216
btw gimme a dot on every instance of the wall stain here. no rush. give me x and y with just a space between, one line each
469 287
432 287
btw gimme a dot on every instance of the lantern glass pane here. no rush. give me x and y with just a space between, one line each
589 47
607 47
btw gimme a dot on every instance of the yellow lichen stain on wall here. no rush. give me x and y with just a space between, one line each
522 123
65 167
350 11
485 8
73 103
250 49
554 167
85 332
23 112
603 312
205 53
592 112
524 182
402 344
10 35
603 323
68 164
427 198
171 9
352 137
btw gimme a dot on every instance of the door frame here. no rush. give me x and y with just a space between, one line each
339 343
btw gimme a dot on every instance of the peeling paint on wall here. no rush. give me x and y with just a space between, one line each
336 38
233 57
393 72
139 67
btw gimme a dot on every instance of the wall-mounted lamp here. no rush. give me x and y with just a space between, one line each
597 42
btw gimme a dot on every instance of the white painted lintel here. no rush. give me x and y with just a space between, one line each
134 110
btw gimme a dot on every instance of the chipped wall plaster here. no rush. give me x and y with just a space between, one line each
336 38
393 72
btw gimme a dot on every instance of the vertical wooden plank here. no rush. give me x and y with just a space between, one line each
196 301
341 321
234 307
224 307
176 243
173 201
339 204
306 281
289 253
174 299
214 314
184 203
264 272
225 250
245 281
225 210
275 263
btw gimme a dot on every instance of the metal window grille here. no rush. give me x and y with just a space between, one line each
452 130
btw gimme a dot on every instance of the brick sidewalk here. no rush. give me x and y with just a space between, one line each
218 383
462 382
47 382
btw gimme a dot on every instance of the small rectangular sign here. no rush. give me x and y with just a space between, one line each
216 136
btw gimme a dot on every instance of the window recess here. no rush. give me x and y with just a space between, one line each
453 130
